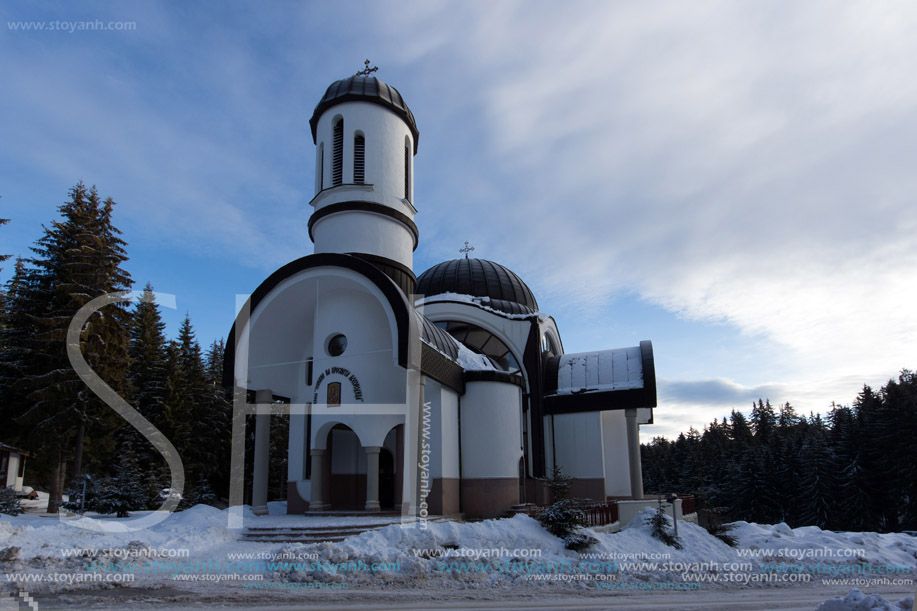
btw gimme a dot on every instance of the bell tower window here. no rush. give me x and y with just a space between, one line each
359 158
337 156
407 173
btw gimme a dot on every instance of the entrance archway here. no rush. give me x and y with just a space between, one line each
346 469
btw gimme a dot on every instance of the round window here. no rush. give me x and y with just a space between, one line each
337 345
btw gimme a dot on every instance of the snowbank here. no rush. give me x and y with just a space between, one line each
857 601
506 553
772 542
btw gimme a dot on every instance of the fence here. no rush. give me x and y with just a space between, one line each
600 514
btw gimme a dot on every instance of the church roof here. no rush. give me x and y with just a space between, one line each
437 338
598 381
478 278
359 88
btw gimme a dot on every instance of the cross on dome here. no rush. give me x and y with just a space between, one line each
467 249
367 70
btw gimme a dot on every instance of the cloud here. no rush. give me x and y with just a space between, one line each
731 163
715 393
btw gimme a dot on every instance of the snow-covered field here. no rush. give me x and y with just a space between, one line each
194 556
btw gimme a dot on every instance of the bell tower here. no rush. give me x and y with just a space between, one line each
365 141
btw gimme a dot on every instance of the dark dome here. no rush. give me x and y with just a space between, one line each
365 89
476 277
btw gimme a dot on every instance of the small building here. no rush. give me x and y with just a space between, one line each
12 466
444 393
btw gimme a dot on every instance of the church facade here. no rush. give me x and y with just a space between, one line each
439 394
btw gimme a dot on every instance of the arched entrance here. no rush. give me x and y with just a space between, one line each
346 469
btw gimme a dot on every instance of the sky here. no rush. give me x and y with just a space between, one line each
733 181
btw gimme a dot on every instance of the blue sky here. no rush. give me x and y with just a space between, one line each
733 181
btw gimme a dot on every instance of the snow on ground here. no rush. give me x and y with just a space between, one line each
515 556
857 601
810 543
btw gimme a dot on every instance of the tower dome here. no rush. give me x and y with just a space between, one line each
360 88
478 278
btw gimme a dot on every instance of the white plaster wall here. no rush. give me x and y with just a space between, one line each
443 429
549 459
385 135
491 431
617 467
450 426
578 444
365 232
431 431
12 471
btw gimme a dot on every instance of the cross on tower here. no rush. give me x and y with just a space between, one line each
367 70
467 249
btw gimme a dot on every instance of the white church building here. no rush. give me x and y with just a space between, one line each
445 393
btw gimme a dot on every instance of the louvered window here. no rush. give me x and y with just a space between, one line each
337 159
359 156
407 173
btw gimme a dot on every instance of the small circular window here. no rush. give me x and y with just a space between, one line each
337 345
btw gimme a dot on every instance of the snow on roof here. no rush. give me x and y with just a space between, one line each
481 302
583 372
472 361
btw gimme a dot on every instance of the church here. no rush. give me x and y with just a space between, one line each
444 393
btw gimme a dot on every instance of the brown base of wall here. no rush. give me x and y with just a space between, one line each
537 492
444 496
489 498
592 488
295 503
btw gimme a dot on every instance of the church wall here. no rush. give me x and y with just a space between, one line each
362 232
491 448
579 452
617 470
443 497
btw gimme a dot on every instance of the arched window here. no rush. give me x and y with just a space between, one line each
407 173
320 171
359 158
337 158
482 341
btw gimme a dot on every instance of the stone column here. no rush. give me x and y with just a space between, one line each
263 400
372 478
633 453
318 471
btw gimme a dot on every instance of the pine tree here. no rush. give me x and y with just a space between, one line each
147 373
763 421
16 339
124 492
9 502
740 431
78 258
817 480
197 412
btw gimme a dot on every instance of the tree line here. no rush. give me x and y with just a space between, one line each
854 469
48 410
